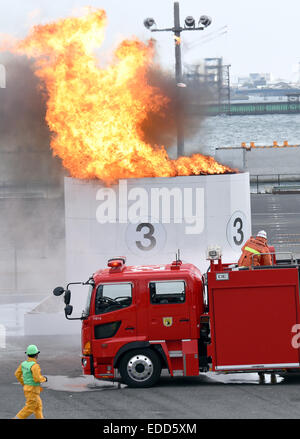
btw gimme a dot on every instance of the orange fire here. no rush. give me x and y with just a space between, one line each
94 112
177 40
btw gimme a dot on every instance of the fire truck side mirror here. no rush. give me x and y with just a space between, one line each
67 297
58 291
68 310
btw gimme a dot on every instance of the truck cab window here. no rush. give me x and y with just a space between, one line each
113 297
163 293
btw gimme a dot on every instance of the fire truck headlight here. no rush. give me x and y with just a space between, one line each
84 362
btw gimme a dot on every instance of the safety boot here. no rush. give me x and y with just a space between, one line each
261 378
273 378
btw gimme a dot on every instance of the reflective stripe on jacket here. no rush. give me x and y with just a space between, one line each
251 250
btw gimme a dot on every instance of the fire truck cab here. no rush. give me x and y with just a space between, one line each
141 319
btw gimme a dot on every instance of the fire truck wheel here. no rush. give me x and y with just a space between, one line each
140 368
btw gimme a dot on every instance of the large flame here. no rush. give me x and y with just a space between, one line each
95 113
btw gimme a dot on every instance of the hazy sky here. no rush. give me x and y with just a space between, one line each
262 35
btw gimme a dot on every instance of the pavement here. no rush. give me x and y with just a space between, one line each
70 395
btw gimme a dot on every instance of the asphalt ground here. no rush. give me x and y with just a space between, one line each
69 395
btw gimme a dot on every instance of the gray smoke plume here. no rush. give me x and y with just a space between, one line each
24 132
31 185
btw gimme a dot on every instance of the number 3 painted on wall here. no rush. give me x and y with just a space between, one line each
238 221
238 228
149 236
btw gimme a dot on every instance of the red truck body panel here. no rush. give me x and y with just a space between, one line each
252 315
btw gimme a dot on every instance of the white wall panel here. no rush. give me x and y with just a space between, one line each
197 211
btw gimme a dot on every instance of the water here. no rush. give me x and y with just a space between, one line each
240 378
225 131
80 384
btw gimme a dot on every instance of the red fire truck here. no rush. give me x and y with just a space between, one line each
142 319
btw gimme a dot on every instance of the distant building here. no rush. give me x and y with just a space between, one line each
254 80
242 80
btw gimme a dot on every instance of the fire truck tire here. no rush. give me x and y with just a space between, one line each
140 368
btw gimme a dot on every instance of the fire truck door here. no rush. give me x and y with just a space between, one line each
115 312
169 314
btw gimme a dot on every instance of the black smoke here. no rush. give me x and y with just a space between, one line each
161 128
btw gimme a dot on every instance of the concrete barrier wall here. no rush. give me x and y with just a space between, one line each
49 323
284 160
32 240
30 272
25 168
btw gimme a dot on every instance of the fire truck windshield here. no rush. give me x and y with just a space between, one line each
86 310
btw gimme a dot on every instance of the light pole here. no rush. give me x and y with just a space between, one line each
189 24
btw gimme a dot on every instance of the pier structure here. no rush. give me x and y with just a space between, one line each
246 108
272 168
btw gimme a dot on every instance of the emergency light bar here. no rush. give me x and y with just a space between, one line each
116 262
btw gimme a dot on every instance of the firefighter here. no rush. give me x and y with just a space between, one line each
29 375
255 251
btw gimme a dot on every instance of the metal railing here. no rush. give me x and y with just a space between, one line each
273 255
283 181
